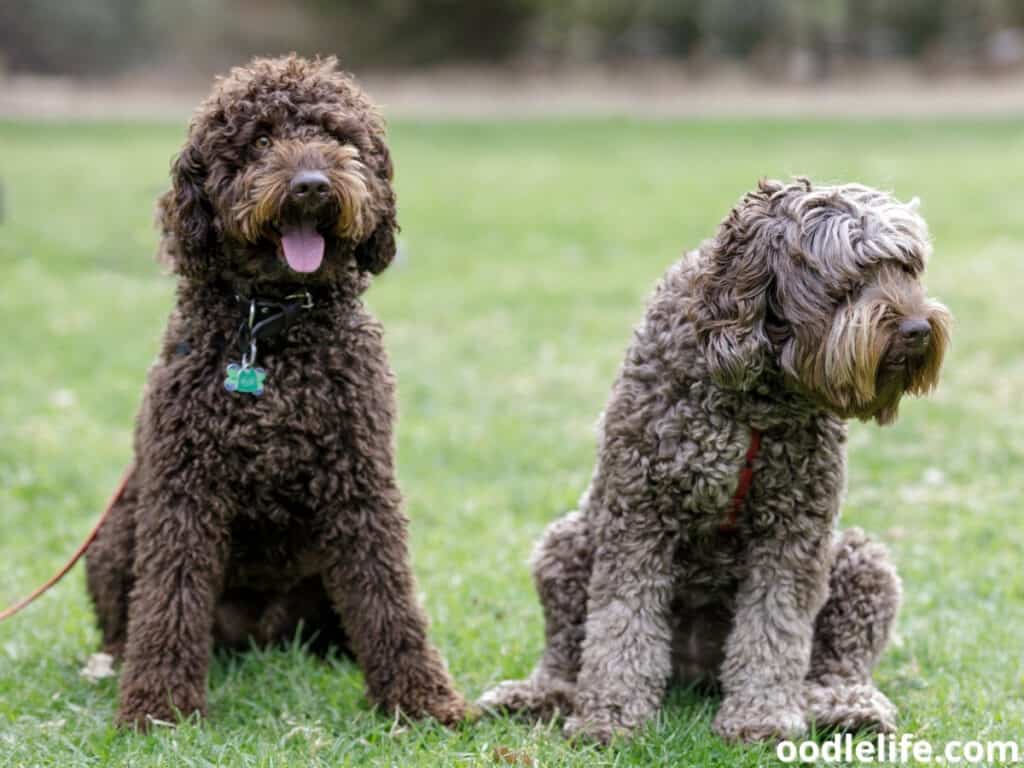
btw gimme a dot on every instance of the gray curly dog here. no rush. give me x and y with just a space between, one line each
806 309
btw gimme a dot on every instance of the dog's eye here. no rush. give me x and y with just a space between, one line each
262 141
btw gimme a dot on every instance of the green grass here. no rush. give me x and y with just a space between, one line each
528 250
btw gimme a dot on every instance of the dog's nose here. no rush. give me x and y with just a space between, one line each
310 188
915 332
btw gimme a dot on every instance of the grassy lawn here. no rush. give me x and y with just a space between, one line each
528 249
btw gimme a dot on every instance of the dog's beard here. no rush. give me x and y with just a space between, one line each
856 369
263 201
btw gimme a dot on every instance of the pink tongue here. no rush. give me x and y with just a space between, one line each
303 247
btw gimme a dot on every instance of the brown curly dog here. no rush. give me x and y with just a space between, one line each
805 310
263 490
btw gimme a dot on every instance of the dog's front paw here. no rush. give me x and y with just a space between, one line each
539 696
742 720
148 700
450 710
421 689
141 712
600 727
420 698
510 696
137 719
850 706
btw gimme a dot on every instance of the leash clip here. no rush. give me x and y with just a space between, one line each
248 358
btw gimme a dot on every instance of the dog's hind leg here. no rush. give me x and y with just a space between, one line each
562 564
850 634
109 563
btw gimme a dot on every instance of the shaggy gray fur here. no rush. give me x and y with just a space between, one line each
800 313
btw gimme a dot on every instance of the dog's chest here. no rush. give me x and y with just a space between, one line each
793 482
271 449
296 422
727 474
702 462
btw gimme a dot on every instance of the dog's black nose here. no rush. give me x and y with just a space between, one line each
310 188
915 332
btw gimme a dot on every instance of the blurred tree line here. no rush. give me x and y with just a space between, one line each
790 39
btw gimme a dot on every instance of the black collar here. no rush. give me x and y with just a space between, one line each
265 319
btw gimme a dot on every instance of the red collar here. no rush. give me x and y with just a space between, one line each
746 480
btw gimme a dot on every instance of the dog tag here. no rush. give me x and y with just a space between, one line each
245 379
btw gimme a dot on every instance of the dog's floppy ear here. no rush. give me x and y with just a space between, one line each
377 251
186 215
738 274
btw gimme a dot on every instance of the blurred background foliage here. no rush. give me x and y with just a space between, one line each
799 40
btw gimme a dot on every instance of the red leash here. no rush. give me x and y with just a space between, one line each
25 602
746 480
